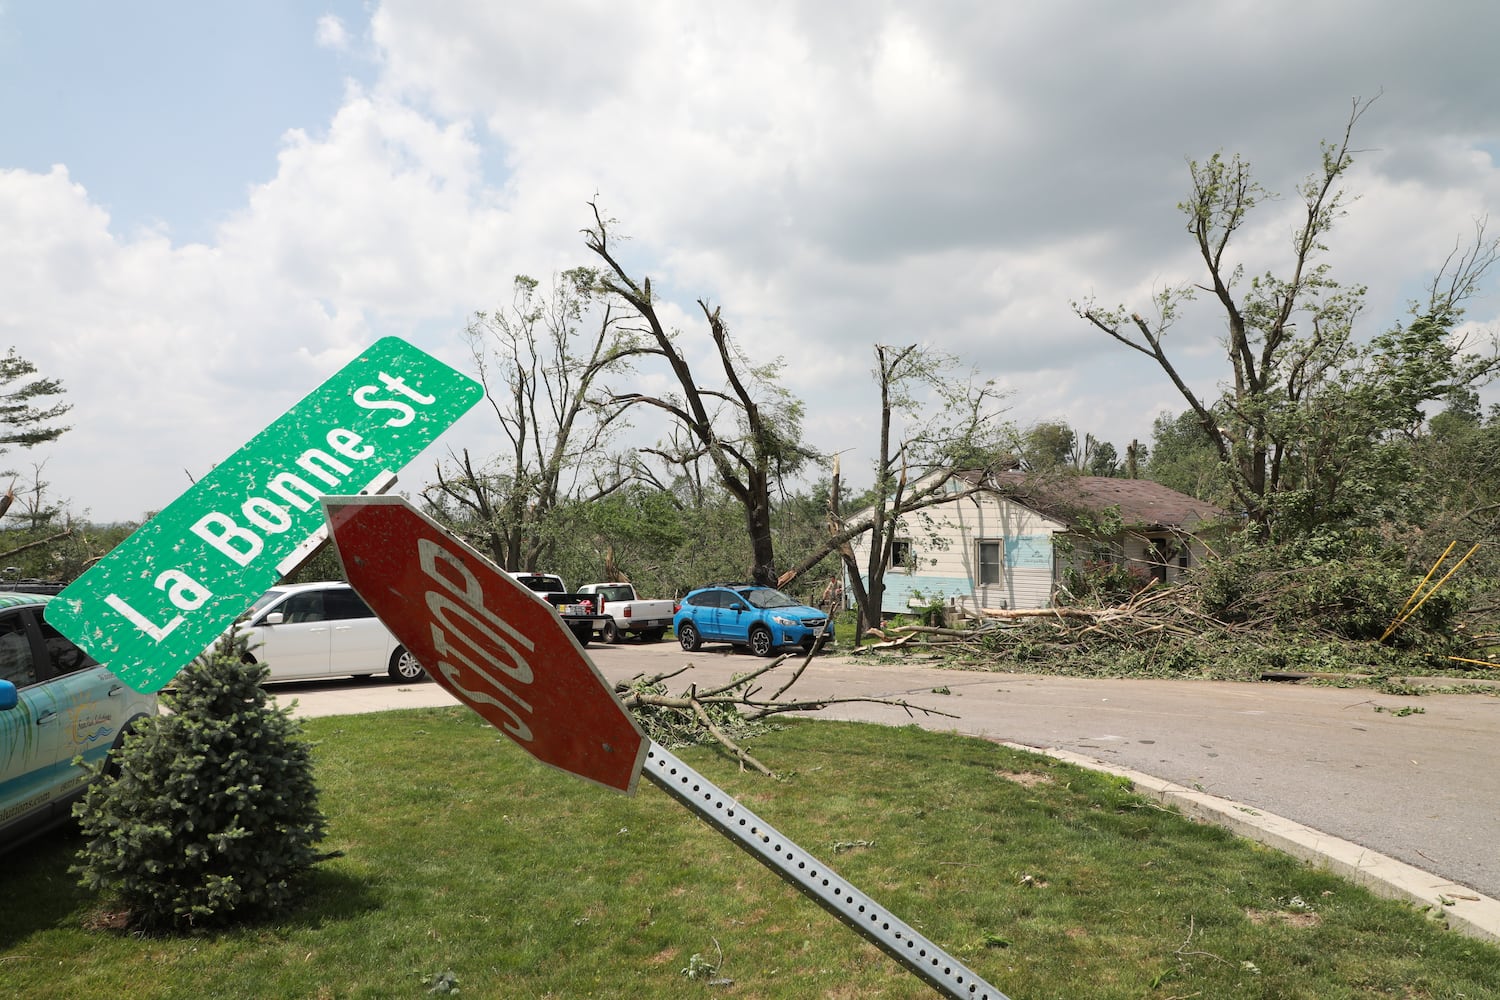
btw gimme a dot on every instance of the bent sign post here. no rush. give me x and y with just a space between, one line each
492 643
815 880
168 591
502 651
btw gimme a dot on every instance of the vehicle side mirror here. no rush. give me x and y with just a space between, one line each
7 696
274 618
737 607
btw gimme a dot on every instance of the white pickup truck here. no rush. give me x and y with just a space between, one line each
627 613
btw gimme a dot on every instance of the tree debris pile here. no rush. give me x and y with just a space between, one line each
1238 618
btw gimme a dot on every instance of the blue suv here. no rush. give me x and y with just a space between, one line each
762 618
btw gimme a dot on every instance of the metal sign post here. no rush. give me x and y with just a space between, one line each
836 895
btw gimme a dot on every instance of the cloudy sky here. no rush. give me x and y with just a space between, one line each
206 209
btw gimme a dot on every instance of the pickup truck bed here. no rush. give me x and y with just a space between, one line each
628 614
580 612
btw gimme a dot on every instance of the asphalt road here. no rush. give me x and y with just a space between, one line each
1413 778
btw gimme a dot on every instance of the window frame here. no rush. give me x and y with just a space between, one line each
997 564
40 668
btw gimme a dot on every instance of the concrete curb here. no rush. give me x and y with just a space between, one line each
1461 908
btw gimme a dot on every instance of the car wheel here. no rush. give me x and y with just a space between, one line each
687 635
653 634
404 666
611 634
760 641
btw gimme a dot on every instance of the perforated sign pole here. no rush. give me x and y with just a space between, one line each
504 653
836 895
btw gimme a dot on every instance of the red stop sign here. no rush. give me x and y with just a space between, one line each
499 648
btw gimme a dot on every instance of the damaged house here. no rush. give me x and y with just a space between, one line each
1011 539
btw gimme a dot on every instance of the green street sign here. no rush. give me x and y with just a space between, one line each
167 592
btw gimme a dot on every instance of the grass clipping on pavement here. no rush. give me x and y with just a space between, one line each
467 867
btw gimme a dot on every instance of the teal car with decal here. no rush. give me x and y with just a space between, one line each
57 704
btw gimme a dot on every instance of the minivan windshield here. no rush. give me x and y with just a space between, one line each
263 600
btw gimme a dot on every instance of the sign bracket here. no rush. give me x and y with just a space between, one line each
811 877
303 553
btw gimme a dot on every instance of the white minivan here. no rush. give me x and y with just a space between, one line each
308 630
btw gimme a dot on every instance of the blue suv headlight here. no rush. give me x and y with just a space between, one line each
784 622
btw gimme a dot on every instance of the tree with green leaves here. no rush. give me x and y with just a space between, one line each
27 418
208 814
1453 465
1053 446
27 408
1305 402
935 419
29 411
1183 457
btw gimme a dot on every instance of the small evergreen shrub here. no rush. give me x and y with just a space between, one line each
208 814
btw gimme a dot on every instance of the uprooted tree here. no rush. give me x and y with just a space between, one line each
1239 617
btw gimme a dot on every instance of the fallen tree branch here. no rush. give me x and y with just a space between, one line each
726 713
730 744
66 533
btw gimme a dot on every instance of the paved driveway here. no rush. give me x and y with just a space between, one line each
1413 778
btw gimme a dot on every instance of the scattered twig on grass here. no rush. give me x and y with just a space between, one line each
1182 951
723 738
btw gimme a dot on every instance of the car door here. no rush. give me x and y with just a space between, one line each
360 642
94 703
710 605
67 705
299 645
735 617
28 744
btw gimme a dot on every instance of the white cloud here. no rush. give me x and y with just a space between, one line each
833 177
331 33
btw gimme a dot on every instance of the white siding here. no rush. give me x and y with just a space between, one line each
945 542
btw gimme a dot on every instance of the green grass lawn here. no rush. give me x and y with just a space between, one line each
465 861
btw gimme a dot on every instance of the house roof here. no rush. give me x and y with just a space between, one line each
1142 504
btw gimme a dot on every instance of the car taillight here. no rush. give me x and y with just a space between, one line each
676 606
